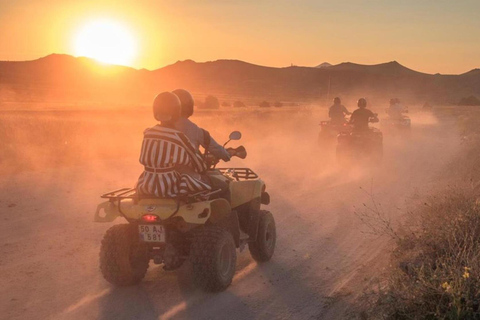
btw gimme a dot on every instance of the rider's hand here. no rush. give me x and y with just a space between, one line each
231 151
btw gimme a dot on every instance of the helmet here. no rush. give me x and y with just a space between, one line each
337 100
362 103
186 100
166 107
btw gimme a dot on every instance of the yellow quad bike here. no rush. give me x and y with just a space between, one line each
207 229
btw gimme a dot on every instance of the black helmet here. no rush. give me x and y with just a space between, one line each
186 100
337 100
362 103
166 107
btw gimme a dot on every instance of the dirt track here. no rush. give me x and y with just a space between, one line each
49 244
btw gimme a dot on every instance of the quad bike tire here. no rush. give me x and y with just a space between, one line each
213 256
123 258
263 248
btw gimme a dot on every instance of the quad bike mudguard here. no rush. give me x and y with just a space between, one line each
241 190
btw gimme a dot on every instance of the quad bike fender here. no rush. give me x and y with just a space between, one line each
226 218
194 213
245 191
106 212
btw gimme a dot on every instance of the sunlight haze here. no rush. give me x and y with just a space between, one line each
428 36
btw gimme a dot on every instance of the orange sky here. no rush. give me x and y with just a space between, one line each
429 35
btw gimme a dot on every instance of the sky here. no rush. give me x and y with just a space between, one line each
432 36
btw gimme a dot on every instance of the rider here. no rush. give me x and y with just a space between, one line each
362 116
198 136
337 112
173 167
396 109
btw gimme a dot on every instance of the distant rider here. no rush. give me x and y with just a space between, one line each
362 116
164 150
337 112
197 136
395 111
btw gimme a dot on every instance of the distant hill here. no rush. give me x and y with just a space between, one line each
324 65
63 78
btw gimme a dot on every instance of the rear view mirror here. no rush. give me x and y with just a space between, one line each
235 135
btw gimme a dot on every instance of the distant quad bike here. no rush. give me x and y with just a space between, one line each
170 231
329 131
400 124
360 146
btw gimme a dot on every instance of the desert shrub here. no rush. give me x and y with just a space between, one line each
435 269
239 104
278 104
436 265
211 102
226 104
469 101
264 104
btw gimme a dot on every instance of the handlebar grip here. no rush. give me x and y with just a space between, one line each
241 152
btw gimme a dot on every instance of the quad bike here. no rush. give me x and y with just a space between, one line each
399 124
205 229
329 131
360 145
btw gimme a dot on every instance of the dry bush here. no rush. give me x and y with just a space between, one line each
435 269
239 104
436 266
264 104
211 102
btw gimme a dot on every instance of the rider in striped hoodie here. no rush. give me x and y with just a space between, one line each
172 166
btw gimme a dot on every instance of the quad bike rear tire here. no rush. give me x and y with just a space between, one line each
263 248
213 256
123 258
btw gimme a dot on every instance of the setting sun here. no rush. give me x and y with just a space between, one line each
106 41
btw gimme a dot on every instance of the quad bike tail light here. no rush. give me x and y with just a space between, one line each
150 218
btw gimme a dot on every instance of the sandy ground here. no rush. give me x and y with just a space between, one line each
49 245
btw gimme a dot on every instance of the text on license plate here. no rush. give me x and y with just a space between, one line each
152 233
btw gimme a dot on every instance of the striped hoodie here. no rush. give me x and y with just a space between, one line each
163 149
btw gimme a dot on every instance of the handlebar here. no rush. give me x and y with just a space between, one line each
239 152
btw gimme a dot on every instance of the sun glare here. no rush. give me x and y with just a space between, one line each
106 41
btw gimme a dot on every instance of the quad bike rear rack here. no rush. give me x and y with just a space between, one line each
123 193
239 173
131 193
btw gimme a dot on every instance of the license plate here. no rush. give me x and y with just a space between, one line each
152 233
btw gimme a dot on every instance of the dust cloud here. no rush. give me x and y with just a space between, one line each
54 166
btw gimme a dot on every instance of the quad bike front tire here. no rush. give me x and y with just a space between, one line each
123 258
213 256
263 248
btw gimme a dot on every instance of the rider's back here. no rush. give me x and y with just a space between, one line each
337 113
164 150
361 117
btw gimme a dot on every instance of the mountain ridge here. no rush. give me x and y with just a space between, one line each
60 77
